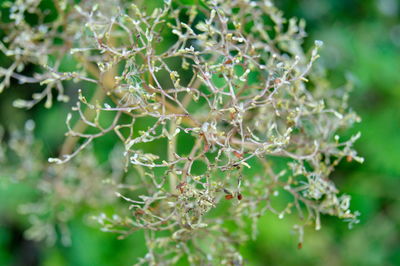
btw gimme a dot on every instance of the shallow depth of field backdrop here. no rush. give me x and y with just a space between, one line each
362 40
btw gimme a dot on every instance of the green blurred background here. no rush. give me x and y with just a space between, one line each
362 41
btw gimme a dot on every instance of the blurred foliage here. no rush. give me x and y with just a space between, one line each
362 41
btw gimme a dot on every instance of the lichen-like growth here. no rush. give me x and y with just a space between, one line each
218 109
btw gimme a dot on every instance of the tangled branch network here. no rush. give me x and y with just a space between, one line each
218 109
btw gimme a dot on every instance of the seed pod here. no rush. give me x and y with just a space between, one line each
229 196
139 212
238 154
227 62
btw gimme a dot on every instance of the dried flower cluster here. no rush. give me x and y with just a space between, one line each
217 106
